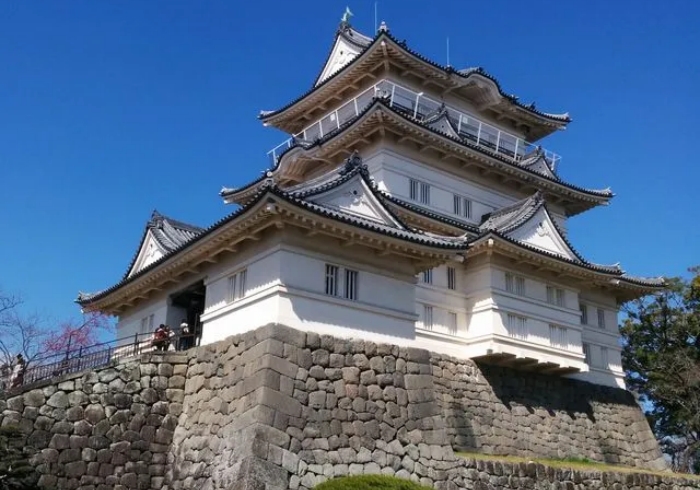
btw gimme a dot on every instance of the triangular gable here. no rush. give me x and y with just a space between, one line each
540 232
356 198
539 164
443 125
149 252
343 52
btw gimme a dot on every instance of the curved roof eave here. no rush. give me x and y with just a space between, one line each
271 189
603 195
558 119
603 269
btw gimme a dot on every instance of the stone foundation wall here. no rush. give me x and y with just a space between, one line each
110 428
502 411
278 408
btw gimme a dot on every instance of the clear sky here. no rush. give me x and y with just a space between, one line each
110 109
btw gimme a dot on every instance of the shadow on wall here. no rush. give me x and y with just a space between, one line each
497 410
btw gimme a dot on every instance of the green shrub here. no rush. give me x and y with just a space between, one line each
369 481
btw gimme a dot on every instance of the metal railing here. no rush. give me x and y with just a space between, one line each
418 106
90 357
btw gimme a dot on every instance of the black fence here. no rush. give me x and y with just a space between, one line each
91 357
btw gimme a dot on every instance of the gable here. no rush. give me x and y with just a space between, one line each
540 232
442 125
149 252
356 198
343 53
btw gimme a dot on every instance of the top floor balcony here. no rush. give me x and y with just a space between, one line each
419 106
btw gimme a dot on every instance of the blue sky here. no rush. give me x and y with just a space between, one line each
110 109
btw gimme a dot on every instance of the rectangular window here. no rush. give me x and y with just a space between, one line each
517 326
451 278
467 208
587 352
419 191
147 324
427 317
584 314
351 284
413 189
424 193
558 337
604 363
556 296
515 284
427 276
240 292
231 290
601 318
331 280
236 287
452 322
461 206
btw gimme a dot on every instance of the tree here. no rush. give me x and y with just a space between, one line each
34 336
16 472
661 358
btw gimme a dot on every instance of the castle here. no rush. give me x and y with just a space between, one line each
412 205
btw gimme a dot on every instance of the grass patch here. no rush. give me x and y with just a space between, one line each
573 463
363 482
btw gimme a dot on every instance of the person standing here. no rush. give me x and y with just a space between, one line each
18 372
185 336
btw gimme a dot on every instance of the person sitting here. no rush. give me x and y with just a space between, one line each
161 338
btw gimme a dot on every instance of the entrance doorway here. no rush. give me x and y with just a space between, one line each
190 303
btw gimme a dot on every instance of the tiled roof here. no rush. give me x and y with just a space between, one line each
510 218
352 36
604 193
352 167
170 233
558 118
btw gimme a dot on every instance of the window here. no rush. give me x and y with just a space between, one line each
419 191
457 205
587 352
427 317
351 284
467 208
413 189
236 286
331 280
601 318
147 324
461 206
451 278
427 276
517 326
558 337
584 314
515 284
556 296
604 363
452 322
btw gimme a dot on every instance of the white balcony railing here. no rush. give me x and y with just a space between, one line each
418 106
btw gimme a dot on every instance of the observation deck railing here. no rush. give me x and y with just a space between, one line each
89 357
419 106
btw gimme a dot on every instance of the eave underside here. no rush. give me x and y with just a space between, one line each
543 264
386 58
274 216
383 124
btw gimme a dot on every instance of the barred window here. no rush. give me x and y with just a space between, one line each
331 280
351 284
451 278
